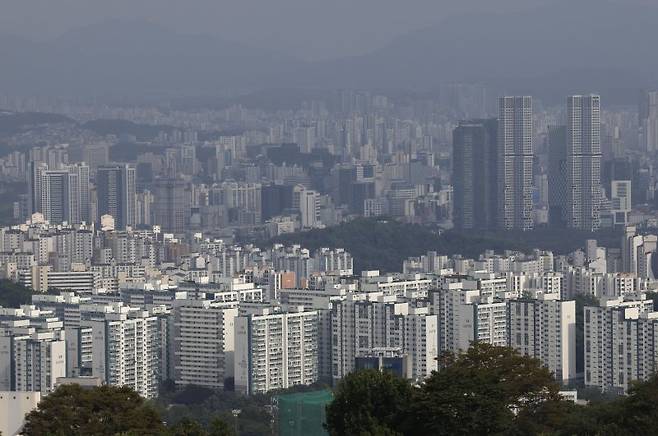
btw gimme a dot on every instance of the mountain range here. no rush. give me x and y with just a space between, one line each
564 47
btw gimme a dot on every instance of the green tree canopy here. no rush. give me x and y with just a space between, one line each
369 402
107 410
638 412
219 427
485 390
14 294
380 243
189 427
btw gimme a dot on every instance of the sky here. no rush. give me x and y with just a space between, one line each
307 29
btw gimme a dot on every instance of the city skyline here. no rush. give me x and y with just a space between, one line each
338 218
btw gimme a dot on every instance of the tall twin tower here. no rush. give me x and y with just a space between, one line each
493 167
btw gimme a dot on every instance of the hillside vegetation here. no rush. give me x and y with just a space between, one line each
384 244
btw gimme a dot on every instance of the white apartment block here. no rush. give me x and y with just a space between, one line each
32 350
482 321
312 298
224 289
275 350
420 341
335 261
125 347
466 315
65 306
358 326
445 304
545 328
203 342
42 278
520 284
620 345
31 360
489 284
398 284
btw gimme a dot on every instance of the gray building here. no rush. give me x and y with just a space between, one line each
557 176
171 205
515 159
115 191
583 199
475 169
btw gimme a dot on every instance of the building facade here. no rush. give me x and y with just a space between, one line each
515 162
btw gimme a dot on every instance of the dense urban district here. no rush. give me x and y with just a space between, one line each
356 263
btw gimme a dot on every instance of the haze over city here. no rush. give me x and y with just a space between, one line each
365 217
146 47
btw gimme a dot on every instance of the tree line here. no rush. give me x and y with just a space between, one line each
487 390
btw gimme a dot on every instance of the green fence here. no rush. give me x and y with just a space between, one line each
303 414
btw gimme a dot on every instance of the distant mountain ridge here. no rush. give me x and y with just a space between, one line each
563 47
570 46
14 122
134 57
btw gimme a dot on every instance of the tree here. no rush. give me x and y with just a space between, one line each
383 244
219 427
486 390
637 413
369 402
14 294
187 427
106 410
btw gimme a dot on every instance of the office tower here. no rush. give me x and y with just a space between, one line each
203 337
59 196
307 203
35 175
275 350
545 328
81 170
474 169
648 121
583 162
171 205
557 176
125 349
354 185
359 194
515 160
275 199
345 176
115 192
